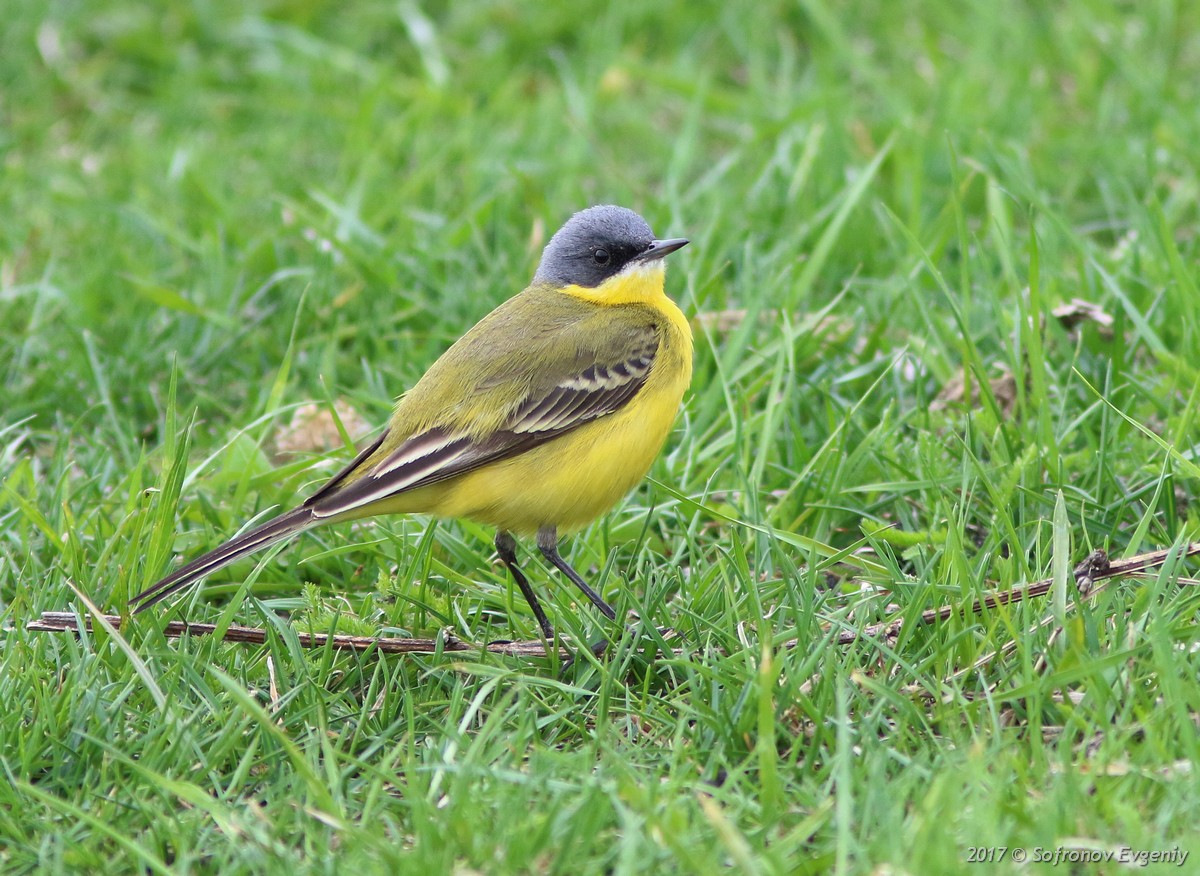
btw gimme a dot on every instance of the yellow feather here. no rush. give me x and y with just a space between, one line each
572 480
537 420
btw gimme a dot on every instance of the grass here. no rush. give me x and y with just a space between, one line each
216 213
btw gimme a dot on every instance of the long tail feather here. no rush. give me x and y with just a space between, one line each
284 526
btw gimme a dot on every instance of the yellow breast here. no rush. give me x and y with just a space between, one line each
570 481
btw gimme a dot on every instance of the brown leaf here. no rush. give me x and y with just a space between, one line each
1004 390
1078 311
312 429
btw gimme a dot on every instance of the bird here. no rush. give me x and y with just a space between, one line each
536 421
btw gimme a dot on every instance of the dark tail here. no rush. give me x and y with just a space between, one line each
284 526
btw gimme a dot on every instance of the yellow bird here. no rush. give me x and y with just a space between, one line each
538 420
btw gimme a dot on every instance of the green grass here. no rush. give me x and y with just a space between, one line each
217 212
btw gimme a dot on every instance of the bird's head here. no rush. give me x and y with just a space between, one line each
603 246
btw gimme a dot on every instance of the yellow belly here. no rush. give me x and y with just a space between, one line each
570 481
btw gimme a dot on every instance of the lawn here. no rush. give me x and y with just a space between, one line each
944 289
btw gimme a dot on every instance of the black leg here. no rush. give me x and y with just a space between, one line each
547 542
506 547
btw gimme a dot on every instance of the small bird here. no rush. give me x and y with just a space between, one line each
537 420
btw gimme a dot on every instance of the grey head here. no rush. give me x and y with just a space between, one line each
598 243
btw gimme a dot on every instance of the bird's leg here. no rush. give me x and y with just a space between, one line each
506 547
547 542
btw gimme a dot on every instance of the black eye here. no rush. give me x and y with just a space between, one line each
600 256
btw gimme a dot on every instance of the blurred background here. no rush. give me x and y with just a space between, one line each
177 176
943 280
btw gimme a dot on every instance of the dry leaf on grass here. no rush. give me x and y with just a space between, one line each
313 429
1003 387
1077 311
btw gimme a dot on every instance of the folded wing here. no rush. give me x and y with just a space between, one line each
444 452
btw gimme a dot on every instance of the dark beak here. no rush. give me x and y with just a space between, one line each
659 248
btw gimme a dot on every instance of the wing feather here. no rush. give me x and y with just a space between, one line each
442 452
336 481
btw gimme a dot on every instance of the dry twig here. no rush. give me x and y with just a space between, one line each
1097 567
66 622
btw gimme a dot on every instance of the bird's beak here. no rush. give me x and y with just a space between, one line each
659 248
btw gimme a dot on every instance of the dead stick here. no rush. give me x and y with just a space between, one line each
1096 567
65 622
